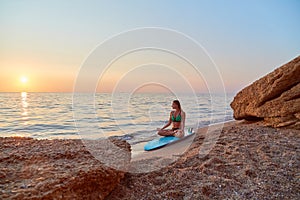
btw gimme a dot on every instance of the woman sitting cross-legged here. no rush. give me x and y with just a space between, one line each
177 119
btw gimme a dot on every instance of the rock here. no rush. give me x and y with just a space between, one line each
275 98
56 169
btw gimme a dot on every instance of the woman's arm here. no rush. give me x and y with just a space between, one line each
168 124
182 124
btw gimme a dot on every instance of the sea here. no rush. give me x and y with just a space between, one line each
131 117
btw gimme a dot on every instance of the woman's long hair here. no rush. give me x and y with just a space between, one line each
178 104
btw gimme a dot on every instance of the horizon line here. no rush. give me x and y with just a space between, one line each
121 92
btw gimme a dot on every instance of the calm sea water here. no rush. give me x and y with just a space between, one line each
133 117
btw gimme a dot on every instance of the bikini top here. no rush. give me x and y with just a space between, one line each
177 118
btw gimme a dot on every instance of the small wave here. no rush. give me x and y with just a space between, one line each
123 137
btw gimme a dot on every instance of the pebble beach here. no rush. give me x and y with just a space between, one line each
249 161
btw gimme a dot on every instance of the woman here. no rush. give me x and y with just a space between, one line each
177 119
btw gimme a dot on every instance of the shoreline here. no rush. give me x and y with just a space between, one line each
137 148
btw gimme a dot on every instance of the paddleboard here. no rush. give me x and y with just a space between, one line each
163 141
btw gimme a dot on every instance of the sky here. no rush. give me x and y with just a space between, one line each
47 42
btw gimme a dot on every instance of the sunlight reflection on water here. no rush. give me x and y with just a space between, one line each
24 108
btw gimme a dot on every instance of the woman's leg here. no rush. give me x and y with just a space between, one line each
165 132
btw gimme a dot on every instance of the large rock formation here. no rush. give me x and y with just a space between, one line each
55 169
275 98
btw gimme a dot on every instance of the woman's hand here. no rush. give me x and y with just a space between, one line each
178 133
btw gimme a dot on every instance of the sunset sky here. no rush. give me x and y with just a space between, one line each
44 43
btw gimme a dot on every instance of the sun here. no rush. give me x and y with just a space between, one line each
24 79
